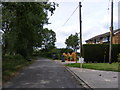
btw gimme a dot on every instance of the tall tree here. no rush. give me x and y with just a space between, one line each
72 41
22 25
49 39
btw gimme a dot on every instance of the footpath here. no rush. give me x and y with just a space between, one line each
95 79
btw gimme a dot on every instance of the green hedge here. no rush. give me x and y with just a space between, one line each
119 57
100 52
49 53
59 52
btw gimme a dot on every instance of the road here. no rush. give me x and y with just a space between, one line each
44 73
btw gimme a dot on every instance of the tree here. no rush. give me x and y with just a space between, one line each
22 25
72 41
49 39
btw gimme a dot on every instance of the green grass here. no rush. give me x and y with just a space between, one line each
10 67
98 66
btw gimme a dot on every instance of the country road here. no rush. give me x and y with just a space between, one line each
44 73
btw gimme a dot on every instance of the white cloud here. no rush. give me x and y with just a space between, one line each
63 33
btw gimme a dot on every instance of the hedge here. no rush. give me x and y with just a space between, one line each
54 52
59 52
100 52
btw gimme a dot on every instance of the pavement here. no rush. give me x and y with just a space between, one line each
43 73
95 79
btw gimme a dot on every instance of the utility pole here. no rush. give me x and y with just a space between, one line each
80 31
111 34
80 28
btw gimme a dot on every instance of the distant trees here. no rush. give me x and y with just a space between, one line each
72 41
49 39
22 24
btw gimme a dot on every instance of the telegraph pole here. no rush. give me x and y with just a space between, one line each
111 34
80 32
80 28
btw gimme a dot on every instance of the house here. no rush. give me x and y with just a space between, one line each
105 38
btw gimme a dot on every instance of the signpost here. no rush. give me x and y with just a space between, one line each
81 61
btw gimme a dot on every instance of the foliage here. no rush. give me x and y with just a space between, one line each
22 25
11 57
50 53
49 39
119 57
11 64
100 52
72 41
97 66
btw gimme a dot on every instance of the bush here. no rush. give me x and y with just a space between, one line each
54 52
71 58
11 64
18 57
8 57
12 57
119 57
100 52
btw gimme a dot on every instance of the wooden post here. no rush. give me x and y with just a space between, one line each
111 34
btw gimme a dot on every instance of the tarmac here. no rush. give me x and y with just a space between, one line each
41 75
95 79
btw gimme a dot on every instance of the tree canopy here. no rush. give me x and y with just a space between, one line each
49 39
22 24
72 41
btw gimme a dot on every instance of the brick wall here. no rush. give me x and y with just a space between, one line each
116 38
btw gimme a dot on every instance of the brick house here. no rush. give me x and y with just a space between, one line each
105 38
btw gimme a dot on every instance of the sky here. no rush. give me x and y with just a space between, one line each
95 19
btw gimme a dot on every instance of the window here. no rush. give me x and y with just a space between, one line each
105 39
97 41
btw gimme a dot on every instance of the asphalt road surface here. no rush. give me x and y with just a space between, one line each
44 73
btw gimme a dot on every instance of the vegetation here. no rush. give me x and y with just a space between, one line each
119 57
49 39
100 52
97 66
52 52
22 25
72 41
11 65
23 32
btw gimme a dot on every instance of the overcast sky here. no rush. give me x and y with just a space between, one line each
95 19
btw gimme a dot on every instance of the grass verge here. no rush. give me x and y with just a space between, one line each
98 66
10 67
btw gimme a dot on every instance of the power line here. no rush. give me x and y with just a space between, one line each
70 16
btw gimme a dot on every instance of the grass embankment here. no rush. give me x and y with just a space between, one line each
10 67
98 66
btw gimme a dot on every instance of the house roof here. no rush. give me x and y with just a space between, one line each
103 35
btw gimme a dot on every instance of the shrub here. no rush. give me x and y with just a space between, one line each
54 53
100 52
119 57
18 57
8 57
71 58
